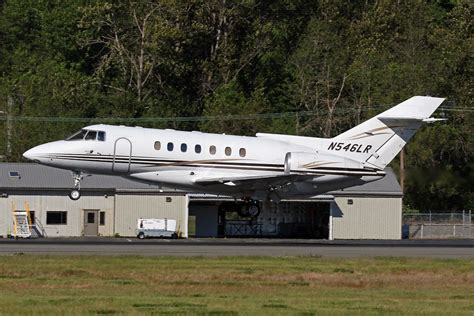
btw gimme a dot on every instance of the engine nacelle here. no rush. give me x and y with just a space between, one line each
301 161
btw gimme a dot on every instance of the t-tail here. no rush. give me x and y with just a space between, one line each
378 140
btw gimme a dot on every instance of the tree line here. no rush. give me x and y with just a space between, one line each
303 67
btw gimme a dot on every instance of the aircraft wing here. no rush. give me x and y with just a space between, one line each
254 182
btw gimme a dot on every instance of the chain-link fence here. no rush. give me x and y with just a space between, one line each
438 225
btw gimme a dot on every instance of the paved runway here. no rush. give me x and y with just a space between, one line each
239 247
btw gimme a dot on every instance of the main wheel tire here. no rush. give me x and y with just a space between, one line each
243 211
253 210
141 235
174 236
74 194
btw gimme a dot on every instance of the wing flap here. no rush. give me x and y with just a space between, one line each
260 180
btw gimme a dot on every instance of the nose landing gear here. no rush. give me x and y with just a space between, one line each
75 193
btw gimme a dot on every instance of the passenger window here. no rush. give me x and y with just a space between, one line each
228 151
170 146
242 152
101 136
212 150
184 147
91 135
197 149
157 145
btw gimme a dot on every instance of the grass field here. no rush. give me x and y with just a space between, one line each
234 285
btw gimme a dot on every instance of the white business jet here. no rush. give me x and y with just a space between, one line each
268 166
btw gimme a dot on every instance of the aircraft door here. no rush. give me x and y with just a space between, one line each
122 155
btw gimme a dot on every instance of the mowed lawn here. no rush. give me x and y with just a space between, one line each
233 285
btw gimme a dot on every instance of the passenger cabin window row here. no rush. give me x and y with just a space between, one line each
198 149
85 134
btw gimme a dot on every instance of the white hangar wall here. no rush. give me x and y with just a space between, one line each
121 211
372 217
43 202
131 206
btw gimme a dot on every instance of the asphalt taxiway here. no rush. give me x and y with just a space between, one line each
239 247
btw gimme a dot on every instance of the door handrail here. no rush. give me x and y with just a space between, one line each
115 154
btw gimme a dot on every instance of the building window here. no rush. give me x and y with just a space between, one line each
170 146
102 218
14 174
197 149
157 145
184 147
90 218
242 152
56 218
228 151
212 150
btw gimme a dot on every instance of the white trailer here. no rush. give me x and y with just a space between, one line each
154 227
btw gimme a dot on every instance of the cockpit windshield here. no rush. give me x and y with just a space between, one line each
85 134
91 135
78 135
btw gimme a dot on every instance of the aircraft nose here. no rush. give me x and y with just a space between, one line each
45 153
31 154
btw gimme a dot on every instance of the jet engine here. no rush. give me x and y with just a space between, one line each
301 161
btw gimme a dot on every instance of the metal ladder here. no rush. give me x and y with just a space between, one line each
21 223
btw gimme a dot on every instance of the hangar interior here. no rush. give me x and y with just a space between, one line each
111 206
287 219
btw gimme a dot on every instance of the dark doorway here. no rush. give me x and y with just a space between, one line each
203 219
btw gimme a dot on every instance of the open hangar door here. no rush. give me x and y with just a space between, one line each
217 217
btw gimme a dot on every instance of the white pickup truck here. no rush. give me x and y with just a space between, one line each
154 227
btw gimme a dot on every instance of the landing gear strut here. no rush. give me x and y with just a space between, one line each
75 193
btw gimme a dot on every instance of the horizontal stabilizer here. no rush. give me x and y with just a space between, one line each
415 107
414 119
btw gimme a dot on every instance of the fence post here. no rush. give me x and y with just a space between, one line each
421 230
431 226
470 224
464 224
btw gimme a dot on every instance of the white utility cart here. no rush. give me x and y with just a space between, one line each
156 227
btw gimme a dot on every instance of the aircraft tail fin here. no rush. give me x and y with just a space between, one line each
378 140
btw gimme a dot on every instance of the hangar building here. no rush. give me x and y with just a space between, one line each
110 206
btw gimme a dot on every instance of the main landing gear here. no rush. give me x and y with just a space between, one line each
75 193
245 208
250 209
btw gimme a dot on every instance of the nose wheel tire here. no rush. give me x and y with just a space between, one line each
74 194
